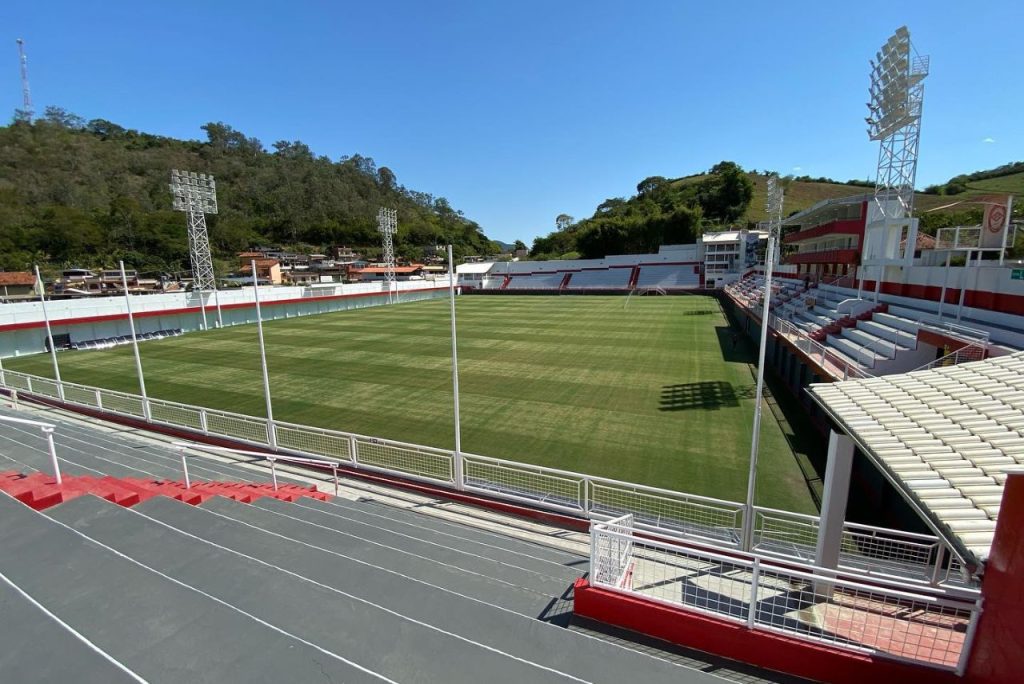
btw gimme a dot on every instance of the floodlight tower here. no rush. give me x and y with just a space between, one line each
774 208
26 94
196 195
897 96
387 224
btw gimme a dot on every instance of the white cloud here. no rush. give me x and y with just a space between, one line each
798 168
988 140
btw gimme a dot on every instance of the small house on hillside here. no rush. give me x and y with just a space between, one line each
17 285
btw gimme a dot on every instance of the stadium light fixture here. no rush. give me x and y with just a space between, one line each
387 225
774 208
196 195
896 97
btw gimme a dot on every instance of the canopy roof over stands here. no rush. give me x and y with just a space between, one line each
946 438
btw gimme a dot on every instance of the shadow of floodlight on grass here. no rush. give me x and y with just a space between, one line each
714 394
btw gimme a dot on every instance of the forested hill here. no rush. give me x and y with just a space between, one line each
75 192
676 210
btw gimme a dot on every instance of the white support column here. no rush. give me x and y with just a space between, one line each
271 431
458 474
135 344
833 505
49 335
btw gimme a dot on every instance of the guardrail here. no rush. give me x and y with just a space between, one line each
972 352
810 603
47 430
271 458
676 514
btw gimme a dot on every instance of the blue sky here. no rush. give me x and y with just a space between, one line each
519 111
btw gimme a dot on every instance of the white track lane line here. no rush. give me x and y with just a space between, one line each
220 601
366 602
74 632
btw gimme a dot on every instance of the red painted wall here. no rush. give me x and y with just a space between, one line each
978 299
998 653
757 647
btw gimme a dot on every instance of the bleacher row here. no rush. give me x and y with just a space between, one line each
872 337
652 276
108 342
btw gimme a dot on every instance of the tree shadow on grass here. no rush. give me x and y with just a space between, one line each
714 394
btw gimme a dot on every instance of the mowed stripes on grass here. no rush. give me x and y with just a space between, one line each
653 390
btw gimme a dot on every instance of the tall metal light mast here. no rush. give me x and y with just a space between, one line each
26 94
774 208
387 224
196 195
897 96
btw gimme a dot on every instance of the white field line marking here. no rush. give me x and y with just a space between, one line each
74 632
366 602
219 601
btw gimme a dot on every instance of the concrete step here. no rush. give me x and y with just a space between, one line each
876 344
879 329
157 628
853 350
898 322
392 624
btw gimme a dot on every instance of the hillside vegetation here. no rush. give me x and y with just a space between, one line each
668 211
74 192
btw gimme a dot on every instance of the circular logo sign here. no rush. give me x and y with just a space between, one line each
996 219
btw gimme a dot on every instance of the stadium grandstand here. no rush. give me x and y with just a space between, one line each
151 540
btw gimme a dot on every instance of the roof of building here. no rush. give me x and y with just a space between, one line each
383 269
475 267
260 263
945 437
17 278
826 206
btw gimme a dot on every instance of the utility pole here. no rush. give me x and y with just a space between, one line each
26 94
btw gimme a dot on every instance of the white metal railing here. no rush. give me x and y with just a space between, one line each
841 367
868 550
47 430
837 608
272 459
678 514
972 352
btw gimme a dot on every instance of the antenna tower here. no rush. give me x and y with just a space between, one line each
26 94
387 224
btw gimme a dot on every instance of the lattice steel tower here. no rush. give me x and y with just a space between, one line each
387 224
897 95
26 93
196 195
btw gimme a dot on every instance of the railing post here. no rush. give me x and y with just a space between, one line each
184 467
99 399
273 470
272 434
940 556
754 580
965 650
586 496
353 450
335 471
202 422
48 431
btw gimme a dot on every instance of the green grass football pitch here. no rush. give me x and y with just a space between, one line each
653 390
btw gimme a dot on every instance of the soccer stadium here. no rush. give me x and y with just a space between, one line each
789 454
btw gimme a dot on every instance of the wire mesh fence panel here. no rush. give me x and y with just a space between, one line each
903 626
667 511
312 441
874 551
233 425
18 381
77 394
176 414
46 387
421 462
782 534
117 402
525 482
